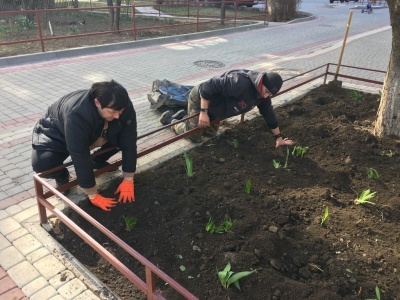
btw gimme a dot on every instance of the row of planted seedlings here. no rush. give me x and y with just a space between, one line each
228 277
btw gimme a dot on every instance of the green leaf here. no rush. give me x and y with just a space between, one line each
234 278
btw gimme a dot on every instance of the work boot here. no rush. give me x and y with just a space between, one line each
101 164
61 180
166 117
180 114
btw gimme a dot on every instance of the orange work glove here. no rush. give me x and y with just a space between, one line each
126 191
103 202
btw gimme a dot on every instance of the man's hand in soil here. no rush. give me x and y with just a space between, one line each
103 202
126 191
283 142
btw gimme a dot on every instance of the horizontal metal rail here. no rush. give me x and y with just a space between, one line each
134 29
147 287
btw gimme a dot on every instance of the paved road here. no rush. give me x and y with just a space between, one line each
26 91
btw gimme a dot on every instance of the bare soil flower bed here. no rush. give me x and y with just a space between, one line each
277 228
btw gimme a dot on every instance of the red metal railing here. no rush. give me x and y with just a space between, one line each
187 19
148 287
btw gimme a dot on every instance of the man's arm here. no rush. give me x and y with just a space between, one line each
204 119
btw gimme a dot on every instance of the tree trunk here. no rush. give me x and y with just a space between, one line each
117 14
388 121
111 12
223 10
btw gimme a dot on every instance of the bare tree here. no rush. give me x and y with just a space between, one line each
114 14
388 121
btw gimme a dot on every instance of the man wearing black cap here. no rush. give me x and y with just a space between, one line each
230 94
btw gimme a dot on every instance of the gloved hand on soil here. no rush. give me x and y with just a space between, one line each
103 202
126 191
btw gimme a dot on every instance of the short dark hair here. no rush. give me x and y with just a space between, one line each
110 94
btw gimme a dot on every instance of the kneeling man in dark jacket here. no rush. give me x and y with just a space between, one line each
81 121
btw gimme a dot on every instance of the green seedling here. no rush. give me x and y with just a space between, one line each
189 165
248 186
373 174
325 216
287 158
364 197
130 222
227 277
277 164
211 227
234 143
299 151
377 294
228 223
388 153
356 95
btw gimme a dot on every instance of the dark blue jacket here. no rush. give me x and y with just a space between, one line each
73 123
236 92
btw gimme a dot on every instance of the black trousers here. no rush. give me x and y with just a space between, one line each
43 160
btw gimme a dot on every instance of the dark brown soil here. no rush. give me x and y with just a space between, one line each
277 227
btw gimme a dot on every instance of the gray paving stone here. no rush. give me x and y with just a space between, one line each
17 234
8 225
4 243
26 214
72 289
23 273
10 257
28 203
60 279
27 244
45 293
37 254
12 210
35 286
49 266
4 214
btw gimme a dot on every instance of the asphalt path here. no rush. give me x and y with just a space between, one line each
291 48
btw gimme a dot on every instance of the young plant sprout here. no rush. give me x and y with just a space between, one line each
248 186
210 227
373 174
228 223
224 227
227 277
287 158
364 197
356 95
234 143
277 164
325 216
130 222
388 153
299 151
189 165
377 294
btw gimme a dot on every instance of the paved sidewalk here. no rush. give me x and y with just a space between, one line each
33 265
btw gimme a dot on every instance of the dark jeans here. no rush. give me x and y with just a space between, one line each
43 160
